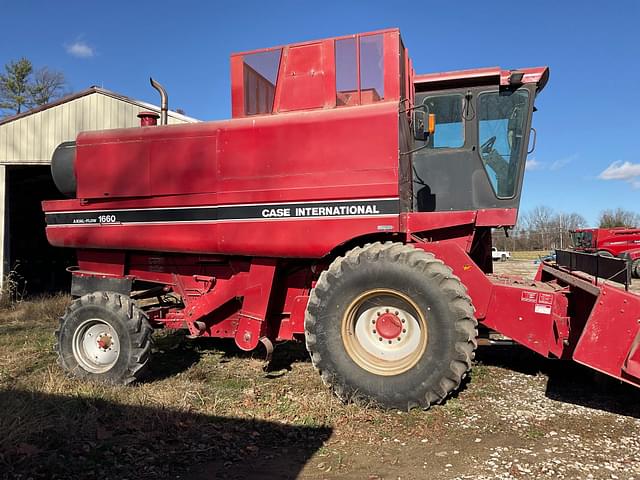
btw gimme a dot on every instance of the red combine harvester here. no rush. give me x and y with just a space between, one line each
348 202
610 242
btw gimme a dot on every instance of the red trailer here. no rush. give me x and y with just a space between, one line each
349 203
610 242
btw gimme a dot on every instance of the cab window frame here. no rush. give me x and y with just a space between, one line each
526 126
463 119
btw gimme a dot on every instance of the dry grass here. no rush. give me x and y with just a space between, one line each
208 404
529 254
48 417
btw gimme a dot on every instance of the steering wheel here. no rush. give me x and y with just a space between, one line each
487 146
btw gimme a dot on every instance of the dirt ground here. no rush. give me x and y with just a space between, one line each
209 411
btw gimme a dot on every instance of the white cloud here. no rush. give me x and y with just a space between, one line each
563 162
625 171
533 164
621 171
80 49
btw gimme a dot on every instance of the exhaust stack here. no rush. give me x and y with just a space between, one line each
164 101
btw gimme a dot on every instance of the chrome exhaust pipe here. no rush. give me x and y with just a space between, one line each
164 101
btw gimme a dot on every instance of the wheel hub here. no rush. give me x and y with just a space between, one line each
381 336
105 341
96 346
388 325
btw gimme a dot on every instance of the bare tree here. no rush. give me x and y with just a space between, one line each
618 218
47 85
542 229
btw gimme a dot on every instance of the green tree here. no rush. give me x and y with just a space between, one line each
22 87
15 85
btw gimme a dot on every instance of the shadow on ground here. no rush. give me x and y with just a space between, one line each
59 437
174 353
568 381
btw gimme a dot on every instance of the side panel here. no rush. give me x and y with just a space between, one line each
309 237
188 188
609 333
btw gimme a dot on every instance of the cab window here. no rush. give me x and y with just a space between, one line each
501 121
450 127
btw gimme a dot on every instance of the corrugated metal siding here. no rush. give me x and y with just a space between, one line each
32 139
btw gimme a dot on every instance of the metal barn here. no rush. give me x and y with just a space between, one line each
27 142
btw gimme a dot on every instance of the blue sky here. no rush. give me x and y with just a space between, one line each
587 155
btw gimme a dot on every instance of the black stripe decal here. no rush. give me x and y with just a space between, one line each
268 211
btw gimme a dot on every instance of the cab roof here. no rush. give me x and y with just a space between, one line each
482 76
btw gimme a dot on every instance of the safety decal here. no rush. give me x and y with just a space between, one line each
544 309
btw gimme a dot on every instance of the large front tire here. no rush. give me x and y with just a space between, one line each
105 337
391 324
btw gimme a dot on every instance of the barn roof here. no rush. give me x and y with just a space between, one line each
89 91
32 136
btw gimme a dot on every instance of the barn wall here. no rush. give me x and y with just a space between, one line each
32 139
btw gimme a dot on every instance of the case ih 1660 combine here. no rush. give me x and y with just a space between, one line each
348 202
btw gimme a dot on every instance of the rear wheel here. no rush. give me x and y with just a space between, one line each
391 324
635 268
104 336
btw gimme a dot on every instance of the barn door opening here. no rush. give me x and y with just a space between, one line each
37 266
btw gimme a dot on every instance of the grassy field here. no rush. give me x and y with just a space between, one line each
210 411
528 254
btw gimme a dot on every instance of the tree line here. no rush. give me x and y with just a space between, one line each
542 228
22 86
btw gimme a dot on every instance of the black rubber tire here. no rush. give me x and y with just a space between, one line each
128 321
431 285
635 268
503 258
604 253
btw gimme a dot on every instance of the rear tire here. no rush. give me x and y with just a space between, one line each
503 258
105 337
635 268
391 324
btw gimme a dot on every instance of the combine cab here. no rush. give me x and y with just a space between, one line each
349 203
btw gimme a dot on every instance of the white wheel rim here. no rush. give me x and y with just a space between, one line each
392 351
96 346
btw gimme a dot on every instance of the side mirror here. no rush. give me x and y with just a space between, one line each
424 124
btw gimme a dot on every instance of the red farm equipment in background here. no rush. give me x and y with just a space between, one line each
610 242
349 203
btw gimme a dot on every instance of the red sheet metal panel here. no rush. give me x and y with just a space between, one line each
303 84
611 329
527 315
